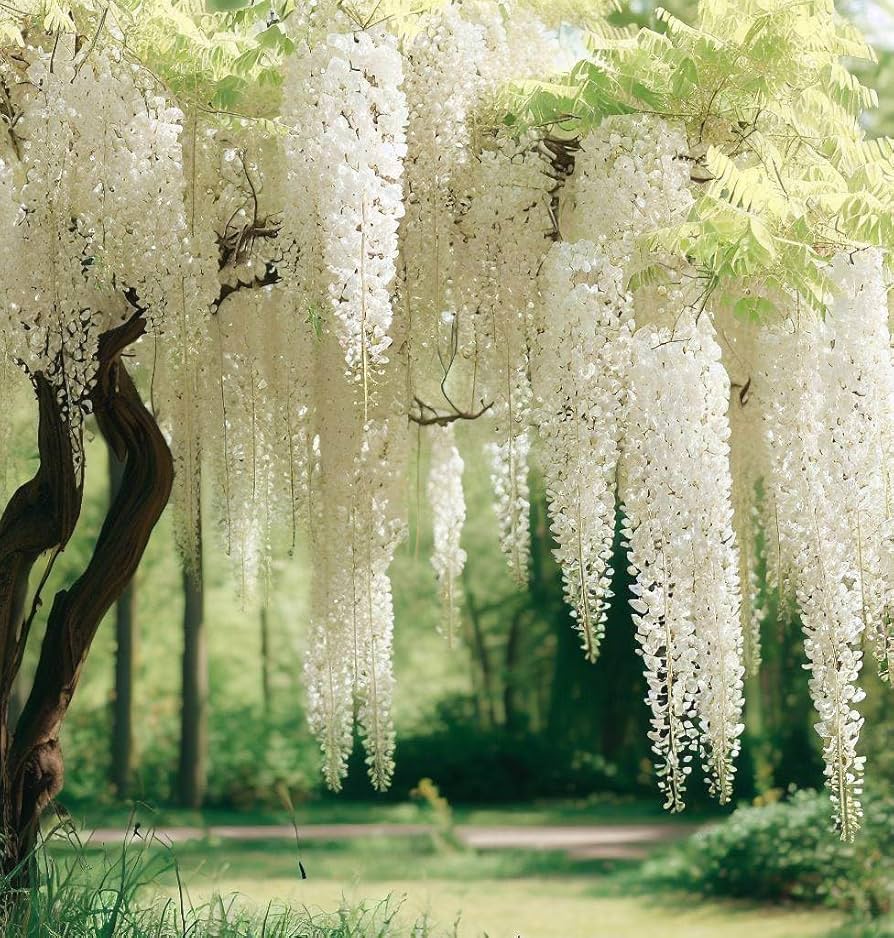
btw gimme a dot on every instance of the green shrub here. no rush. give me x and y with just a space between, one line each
786 851
248 769
245 772
472 765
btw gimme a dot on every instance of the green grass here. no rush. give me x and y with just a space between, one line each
371 860
547 908
503 894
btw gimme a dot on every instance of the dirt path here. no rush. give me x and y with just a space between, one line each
584 841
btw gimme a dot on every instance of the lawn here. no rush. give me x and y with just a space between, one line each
501 894
534 907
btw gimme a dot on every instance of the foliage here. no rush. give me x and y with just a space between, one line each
246 771
512 891
473 765
437 808
784 851
783 173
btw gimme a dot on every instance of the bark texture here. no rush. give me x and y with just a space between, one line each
125 661
41 517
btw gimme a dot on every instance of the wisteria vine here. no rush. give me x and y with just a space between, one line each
392 254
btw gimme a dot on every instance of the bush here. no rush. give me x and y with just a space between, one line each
473 765
246 770
786 851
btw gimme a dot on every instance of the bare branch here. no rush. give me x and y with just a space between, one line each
428 416
269 278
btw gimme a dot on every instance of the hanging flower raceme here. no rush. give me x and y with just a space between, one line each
580 364
455 66
190 363
677 502
344 160
448 505
254 493
378 527
807 402
333 650
443 85
101 211
860 379
519 45
357 520
506 225
629 179
345 152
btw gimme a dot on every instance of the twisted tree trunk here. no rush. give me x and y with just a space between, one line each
125 657
41 517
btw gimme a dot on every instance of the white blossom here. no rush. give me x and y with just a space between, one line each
506 224
346 148
448 505
580 365
677 502
812 420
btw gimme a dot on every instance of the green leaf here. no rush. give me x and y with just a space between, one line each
685 77
755 308
650 276
225 6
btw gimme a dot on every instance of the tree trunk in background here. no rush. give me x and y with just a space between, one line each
513 719
193 769
478 650
265 657
125 645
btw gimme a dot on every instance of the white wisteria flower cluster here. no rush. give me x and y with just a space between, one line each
678 525
391 253
581 364
97 200
448 506
826 414
506 224
348 142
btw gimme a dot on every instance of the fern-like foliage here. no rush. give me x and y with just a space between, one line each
784 172
224 57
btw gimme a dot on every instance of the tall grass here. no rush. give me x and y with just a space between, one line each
115 896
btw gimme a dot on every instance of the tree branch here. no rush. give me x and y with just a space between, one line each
429 417
267 279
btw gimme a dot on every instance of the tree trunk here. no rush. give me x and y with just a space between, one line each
41 517
265 658
478 650
16 701
192 774
512 716
125 651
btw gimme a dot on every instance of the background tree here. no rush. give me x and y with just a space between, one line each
192 765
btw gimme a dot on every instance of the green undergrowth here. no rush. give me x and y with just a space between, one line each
138 890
